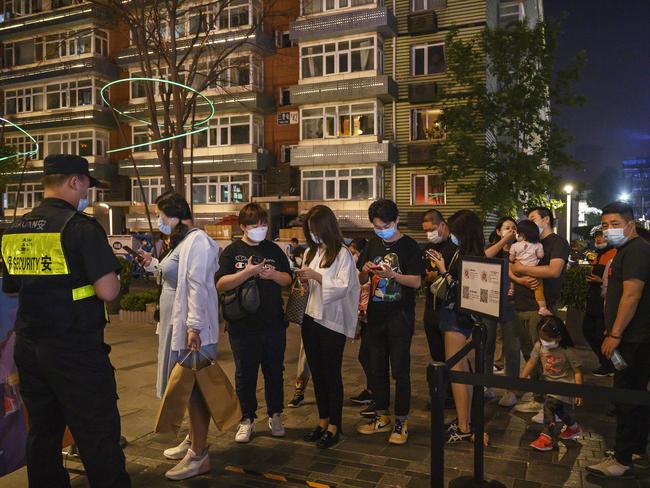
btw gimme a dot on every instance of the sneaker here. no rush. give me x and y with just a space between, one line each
454 435
451 425
570 433
180 450
191 465
363 398
528 407
381 423
370 411
539 418
527 397
275 424
610 468
639 461
298 398
328 440
400 432
509 399
245 431
602 371
542 443
498 370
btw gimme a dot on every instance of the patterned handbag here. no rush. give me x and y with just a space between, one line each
297 302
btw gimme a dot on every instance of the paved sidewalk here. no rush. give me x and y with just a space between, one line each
357 461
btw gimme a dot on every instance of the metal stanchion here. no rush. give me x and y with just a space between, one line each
437 377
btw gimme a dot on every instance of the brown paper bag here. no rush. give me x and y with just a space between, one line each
219 395
175 400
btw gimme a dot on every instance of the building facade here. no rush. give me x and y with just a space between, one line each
637 180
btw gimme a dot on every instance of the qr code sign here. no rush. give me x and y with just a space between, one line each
484 296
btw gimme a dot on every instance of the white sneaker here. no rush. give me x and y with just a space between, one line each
610 468
527 397
245 431
275 424
539 418
179 451
508 399
528 407
191 465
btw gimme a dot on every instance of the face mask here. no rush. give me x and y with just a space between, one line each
83 204
163 227
549 345
455 240
541 229
355 257
434 237
386 234
315 238
601 246
615 237
258 234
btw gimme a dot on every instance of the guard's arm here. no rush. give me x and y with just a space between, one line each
107 288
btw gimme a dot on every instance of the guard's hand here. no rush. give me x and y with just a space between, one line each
193 340
254 269
609 344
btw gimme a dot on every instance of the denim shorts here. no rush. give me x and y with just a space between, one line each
208 352
449 323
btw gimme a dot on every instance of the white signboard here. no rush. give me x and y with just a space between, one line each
482 286
117 243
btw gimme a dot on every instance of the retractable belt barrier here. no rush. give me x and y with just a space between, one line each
438 377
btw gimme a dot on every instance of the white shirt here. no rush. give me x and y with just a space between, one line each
334 303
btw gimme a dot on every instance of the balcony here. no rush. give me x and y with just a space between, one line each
382 87
66 118
256 41
423 152
346 23
51 18
423 92
257 161
423 23
86 66
363 152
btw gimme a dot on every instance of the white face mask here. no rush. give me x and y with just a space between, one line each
541 229
434 236
549 345
257 234
616 237
83 204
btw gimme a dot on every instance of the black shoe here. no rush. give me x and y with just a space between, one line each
454 435
298 398
602 371
314 435
328 440
363 398
370 411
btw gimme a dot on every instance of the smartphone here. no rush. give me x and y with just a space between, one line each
257 260
132 252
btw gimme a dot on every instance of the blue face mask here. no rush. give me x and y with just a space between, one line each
83 204
386 234
454 240
163 227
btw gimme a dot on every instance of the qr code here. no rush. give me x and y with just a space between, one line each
484 296
465 291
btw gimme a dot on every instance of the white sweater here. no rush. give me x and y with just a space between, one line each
335 303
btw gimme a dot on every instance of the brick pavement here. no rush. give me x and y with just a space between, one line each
357 461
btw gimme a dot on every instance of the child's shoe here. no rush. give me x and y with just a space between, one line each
542 443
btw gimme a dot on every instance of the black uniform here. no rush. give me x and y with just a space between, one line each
52 256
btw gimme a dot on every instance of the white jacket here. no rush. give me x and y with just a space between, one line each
335 303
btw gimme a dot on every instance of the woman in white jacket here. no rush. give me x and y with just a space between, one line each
331 316
189 322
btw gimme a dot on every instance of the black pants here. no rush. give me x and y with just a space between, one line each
390 343
70 382
434 334
252 348
632 420
324 349
593 328
553 407
364 354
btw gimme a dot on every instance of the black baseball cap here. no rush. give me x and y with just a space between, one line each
68 164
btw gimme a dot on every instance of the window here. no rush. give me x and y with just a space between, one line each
426 60
225 131
16 8
425 125
341 184
57 96
84 143
30 196
24 100
510 12
342 57
235 14
428 190
285 97
285 153
152 188
421 5
356 119
316 6
140 136
24 144
282 39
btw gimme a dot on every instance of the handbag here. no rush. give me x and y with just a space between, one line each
440 287
297 302
240 302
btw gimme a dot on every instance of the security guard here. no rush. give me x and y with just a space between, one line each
59 261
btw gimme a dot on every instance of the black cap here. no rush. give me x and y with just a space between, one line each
68 164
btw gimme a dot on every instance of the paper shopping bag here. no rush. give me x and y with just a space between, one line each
219 396
175 400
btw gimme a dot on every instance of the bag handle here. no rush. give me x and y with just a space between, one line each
195 354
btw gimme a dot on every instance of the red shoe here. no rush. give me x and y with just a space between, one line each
543 443
570 434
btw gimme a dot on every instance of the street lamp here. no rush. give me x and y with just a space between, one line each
110 216
624 196
568 189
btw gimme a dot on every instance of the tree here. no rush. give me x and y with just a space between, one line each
501 140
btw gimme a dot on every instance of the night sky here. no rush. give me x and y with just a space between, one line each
614 123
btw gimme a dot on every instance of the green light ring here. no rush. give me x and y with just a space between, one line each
193 126
33 152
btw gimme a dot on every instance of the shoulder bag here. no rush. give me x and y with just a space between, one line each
240 302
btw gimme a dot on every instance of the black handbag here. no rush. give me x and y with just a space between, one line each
297 302
240 302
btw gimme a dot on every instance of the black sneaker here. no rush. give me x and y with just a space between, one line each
454 435
328 440
370 411
602 371
298 398
363 398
